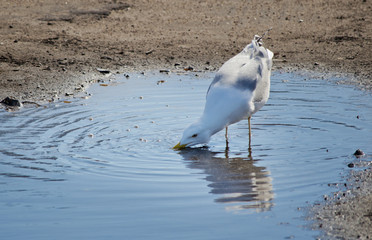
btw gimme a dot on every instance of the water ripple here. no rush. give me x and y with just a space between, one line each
115 149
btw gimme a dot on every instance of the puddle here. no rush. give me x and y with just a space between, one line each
103 167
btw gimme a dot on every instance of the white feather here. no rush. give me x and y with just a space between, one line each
240 88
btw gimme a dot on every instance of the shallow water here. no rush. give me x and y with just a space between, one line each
103 167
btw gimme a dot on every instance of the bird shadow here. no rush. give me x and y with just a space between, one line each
236 181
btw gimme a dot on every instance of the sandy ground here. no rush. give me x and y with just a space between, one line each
50 49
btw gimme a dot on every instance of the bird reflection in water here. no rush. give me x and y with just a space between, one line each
237 181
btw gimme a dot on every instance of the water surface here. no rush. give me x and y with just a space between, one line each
103 167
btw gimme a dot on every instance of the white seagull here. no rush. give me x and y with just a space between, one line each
240 88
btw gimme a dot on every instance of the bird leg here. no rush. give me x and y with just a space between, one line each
227 145
250 135
226 137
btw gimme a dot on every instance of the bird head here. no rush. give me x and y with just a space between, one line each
193 135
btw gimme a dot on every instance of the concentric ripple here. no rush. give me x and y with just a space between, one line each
107 162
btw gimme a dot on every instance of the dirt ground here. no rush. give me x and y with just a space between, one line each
51 49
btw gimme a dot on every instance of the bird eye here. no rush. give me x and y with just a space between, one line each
195 135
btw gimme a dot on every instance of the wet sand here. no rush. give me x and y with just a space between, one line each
347 213
50 49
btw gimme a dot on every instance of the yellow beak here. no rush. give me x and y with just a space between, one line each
179 146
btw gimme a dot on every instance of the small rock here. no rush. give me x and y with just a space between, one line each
189 68
11 102
160 82
149 52
359 153
350 165
164 71
103 71
106 58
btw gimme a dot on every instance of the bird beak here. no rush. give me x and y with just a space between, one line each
179 146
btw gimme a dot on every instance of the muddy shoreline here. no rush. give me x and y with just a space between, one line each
347 212
52 49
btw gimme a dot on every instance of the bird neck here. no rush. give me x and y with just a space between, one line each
212 125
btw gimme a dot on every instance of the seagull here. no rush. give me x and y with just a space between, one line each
240 88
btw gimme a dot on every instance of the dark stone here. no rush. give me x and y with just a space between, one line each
359 153
11 102
189 68
103 71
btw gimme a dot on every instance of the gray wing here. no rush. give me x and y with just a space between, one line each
244 82
216 79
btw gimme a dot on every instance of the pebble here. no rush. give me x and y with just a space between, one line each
359 153
103 71
351 165
189 68
149 52
160 82
11 102
164 71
